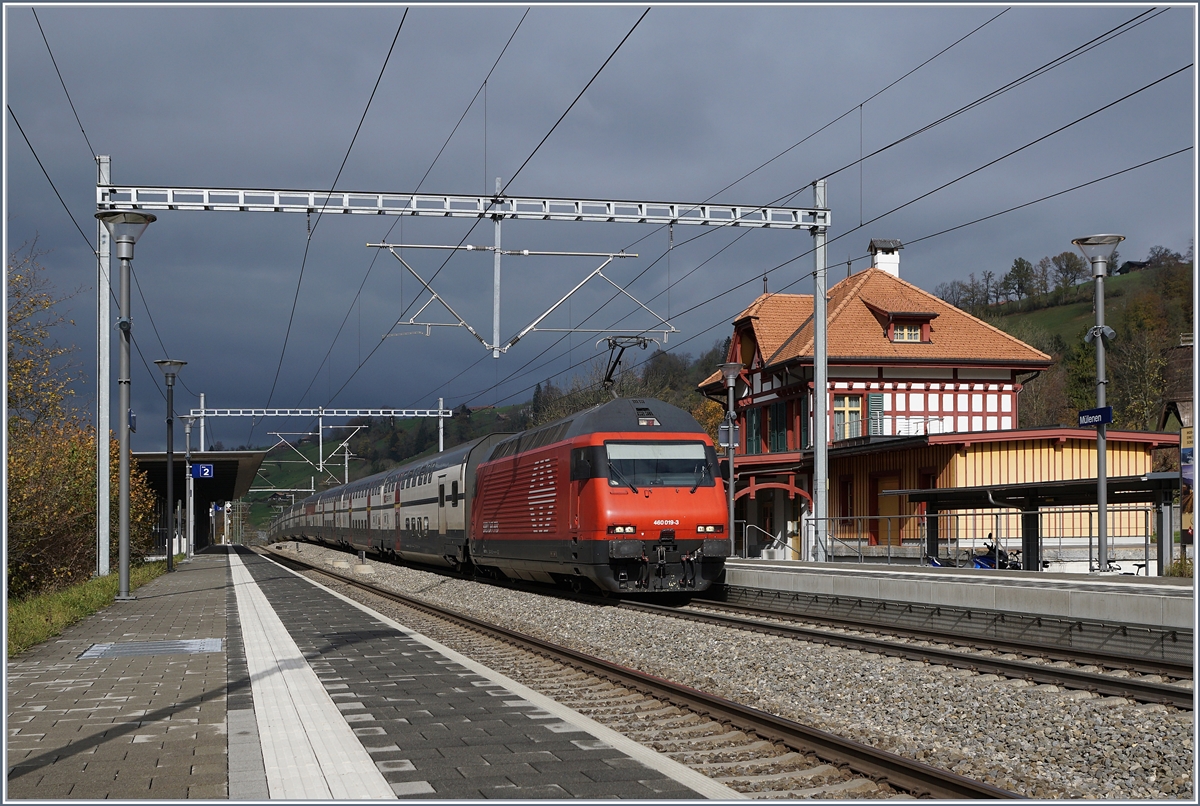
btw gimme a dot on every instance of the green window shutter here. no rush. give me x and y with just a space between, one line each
875 414
754 431
805 439
777 427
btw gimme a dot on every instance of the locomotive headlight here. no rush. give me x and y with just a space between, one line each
622 530
711 529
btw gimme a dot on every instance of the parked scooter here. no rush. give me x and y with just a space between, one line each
996 557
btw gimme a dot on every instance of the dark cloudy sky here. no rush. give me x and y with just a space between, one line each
694 100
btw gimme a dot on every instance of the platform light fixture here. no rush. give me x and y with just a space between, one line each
124 228
170 368
1098 249
730 373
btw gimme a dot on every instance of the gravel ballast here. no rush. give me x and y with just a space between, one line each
1037 741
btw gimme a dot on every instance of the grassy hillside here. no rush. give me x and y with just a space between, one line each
1068 321
1148 310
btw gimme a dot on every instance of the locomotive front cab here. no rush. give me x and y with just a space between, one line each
652 512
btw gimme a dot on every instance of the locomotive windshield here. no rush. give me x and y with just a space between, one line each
658 464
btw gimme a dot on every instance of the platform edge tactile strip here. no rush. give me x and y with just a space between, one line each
309 750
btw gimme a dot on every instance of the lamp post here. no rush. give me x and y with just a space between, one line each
170 369
124 229
1098 249
730 372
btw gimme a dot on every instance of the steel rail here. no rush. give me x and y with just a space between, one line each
914 777
1139 690
1140 665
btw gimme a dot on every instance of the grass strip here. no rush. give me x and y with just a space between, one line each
32 621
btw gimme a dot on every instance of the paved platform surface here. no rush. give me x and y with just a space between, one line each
255 684
138 726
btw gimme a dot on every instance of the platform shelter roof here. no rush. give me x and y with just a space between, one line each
1146 489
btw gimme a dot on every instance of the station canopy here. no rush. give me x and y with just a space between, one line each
1147 489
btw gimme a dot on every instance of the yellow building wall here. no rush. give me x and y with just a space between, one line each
981 464
988 464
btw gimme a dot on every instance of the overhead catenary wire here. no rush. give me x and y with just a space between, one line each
1112 33
46 173
809 275
92 150
400 219
831 241
312 230
476 222
572 106
727 187
1075 51
64 83
112 294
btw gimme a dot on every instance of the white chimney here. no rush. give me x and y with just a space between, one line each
885 255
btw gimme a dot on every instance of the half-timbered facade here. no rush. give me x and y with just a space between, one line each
918 391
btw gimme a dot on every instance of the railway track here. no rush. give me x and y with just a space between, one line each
1149 688
1079 668
751 751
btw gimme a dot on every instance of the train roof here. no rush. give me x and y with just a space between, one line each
621 415
428 464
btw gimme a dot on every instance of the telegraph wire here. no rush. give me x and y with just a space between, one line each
64 84
1032 74
51 181
308 240
572 106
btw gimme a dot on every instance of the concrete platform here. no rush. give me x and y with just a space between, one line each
1160 602
237 678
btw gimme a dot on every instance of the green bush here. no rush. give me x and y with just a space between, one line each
1183 567
33 620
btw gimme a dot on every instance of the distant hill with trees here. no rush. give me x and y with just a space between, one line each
1049 305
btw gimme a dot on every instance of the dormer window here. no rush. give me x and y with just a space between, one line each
902 324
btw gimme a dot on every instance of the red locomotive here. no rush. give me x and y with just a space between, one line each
623 497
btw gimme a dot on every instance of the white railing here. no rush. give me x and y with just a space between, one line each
1067 537
894 425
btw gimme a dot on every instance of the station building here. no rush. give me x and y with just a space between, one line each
920 395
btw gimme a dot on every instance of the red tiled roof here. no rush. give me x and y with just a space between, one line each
782 324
